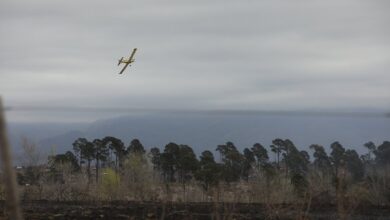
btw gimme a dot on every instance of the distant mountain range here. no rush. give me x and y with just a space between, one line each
207 131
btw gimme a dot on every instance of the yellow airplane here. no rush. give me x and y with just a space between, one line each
127 62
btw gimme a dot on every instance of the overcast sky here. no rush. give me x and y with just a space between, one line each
200 54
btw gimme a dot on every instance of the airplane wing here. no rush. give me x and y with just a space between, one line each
132 54
123 69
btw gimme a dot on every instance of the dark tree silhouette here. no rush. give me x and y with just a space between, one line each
208 173
296 161
155 156
101 154
136 147
337 156
178 163
260 153
296 165
247 163
231 162
277 147
187 163
169 159
67 158
382 153
305 155
78 146
56 163
116 146
371 150
354 164
321 159
86 151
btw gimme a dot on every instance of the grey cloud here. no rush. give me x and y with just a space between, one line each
198 54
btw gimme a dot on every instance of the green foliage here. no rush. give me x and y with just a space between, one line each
110 182
169 159
277 147
85 151
129 169
209 171
135 147
231 162
383 153
31 175
117 147
269 171
67 158
100 153
155 158
178 162
187 163
321 160
300 183
354 164
370 146
247 163
135 165
260 153
137 176
337 156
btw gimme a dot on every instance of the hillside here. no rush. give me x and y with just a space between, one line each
207 131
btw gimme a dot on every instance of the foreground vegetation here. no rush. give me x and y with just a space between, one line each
106 170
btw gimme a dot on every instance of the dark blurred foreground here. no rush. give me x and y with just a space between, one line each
176 210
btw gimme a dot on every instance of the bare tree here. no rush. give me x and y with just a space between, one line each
31 155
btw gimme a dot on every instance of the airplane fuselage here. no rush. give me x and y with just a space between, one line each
127 61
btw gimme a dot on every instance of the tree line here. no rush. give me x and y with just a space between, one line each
179 163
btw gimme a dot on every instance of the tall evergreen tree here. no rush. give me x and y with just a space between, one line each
101 154
277 147
231 162
371 150
321 160
169 159
78 146
208 173
296 166
116 146
247 163
86 151
354 164
296 161
337 156
260 153
155 156
187 163
136 147
382 154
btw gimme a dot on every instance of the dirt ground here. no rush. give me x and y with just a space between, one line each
151 210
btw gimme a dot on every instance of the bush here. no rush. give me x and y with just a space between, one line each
110 182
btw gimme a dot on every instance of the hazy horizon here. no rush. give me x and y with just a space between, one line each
205 132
